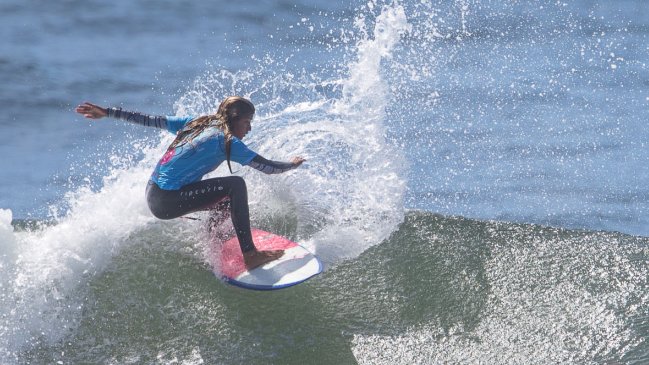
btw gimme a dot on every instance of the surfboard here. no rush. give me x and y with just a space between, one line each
294 267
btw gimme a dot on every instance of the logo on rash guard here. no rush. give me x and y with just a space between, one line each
167 156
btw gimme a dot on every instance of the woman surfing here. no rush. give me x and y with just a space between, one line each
202 143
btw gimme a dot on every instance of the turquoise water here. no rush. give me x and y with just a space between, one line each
475 182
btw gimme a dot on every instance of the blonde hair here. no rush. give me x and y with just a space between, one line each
231 110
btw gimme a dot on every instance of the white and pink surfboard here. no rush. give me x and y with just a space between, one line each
295 266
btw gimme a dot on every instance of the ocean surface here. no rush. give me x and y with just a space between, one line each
476 181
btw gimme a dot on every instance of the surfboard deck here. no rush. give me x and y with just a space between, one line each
295 266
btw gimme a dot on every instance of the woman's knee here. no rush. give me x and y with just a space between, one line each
237 183
237 190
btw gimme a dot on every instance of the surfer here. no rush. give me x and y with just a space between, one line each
202 143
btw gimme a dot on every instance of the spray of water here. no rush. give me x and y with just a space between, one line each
348 196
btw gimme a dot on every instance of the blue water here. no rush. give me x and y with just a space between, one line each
475 181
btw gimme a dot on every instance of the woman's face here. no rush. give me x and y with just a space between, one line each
241 127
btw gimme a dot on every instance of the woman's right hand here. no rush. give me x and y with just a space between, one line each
91 111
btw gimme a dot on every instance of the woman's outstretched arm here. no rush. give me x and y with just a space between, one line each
93 111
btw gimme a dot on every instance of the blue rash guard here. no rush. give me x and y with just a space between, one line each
189 162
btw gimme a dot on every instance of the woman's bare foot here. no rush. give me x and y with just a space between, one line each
256 258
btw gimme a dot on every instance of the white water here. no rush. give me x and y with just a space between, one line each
44 270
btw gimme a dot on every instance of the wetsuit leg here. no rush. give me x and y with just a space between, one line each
205 195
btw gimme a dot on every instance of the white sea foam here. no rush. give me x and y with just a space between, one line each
44 269
368 183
